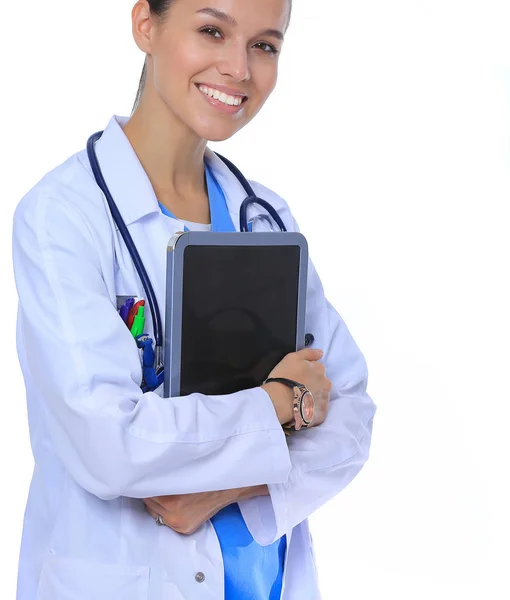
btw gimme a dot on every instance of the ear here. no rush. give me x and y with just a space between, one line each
142 26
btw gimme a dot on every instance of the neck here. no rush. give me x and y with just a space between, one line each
170 153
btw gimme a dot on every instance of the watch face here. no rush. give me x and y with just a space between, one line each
307 407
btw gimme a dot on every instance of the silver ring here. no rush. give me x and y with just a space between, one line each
159 520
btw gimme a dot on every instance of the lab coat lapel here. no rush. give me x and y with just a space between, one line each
125 177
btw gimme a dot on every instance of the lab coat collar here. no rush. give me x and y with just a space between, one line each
125 177
130 186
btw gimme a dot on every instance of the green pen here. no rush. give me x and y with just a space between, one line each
138 322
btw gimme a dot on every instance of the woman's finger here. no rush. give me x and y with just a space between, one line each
153 508
154 514
153 504
310 354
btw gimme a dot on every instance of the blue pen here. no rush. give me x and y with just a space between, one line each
125 308
123 312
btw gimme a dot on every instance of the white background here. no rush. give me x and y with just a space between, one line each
396 116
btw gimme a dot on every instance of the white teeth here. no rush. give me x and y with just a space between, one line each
221 96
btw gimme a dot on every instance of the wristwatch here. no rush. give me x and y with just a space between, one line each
303 403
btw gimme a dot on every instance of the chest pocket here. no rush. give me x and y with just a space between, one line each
126 284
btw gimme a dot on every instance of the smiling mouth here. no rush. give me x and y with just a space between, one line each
229 100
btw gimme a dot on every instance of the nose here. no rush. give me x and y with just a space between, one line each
234 63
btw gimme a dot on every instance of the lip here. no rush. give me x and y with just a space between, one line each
223 88
227 109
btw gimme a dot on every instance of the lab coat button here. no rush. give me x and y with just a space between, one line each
200 577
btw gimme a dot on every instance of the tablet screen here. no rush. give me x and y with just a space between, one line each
239 315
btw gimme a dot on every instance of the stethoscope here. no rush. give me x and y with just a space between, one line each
130 245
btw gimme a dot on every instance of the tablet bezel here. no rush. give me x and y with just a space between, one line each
174 287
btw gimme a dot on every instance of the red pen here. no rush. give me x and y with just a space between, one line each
133 312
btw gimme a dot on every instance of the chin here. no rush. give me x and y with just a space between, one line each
218 138
216 134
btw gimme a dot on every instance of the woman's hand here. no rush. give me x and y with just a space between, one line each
304 367
185 513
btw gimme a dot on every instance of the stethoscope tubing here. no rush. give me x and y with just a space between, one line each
128 240
130 245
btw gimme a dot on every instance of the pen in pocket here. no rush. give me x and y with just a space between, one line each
125 308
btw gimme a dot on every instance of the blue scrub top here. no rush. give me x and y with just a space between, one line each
252 571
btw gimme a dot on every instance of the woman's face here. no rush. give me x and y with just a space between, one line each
210 48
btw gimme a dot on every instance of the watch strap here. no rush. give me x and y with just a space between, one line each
288 382
287 427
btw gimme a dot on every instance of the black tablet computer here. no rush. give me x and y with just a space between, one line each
235 306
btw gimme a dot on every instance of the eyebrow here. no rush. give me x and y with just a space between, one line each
221 16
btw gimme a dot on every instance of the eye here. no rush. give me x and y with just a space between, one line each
211 31
265 47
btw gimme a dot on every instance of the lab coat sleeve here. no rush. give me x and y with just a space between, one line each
326 458
113 439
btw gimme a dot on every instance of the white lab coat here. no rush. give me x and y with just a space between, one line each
100 444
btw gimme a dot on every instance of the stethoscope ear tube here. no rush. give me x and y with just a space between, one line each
128 240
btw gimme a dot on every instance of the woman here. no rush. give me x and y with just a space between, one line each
111 462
